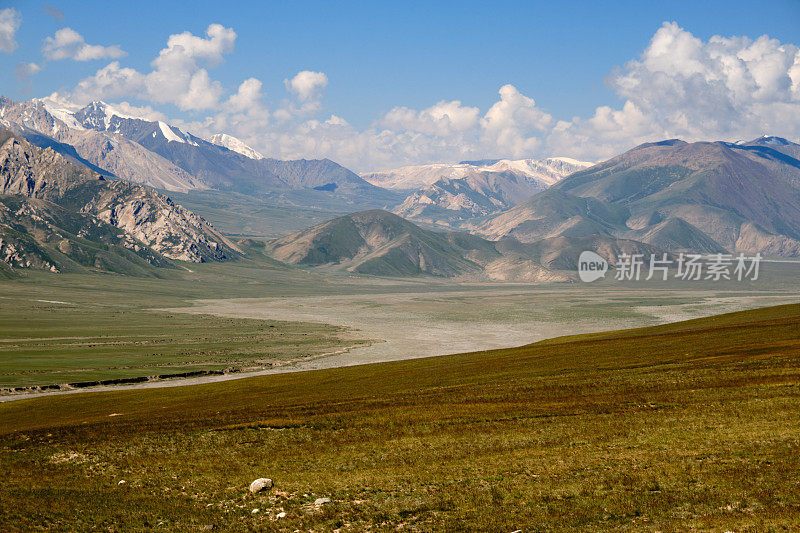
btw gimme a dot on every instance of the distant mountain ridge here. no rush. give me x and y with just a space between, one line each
114 154
702 196
448 194
539 172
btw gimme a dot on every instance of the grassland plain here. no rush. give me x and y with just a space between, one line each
67 328
45 342
57 329
684 426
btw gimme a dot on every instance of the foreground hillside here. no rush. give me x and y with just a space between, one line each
677 427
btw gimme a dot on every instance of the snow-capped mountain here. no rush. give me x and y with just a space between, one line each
161 155
88 136
543 172
217 165
448 194
237 145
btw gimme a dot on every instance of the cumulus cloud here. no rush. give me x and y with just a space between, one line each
108 83
680 86
179 74
23 71
727 87
443 118
514 124
307 85
10 19
69 44
247 96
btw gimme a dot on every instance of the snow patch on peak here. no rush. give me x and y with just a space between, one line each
569 160
168 134
235 145
111 112
61 109
542 172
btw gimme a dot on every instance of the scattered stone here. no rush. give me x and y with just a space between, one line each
254 511
322 501
260 484
121 482
282 514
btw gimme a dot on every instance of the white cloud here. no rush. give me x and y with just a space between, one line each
69 44
442 119
10 19
680 86
247 96
514 124
23 71
108 83
722 88
179 76
307 85
185 49
143 112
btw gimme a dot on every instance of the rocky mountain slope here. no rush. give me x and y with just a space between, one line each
153 153
699 196
57 213
217 165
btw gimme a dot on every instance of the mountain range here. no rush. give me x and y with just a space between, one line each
159 155
77 190
701 196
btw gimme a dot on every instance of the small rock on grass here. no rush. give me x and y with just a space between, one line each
322 501
260 484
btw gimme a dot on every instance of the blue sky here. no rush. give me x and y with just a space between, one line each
378 56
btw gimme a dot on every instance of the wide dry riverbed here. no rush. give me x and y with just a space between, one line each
410 325
420 324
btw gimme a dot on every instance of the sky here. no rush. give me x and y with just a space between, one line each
382 84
